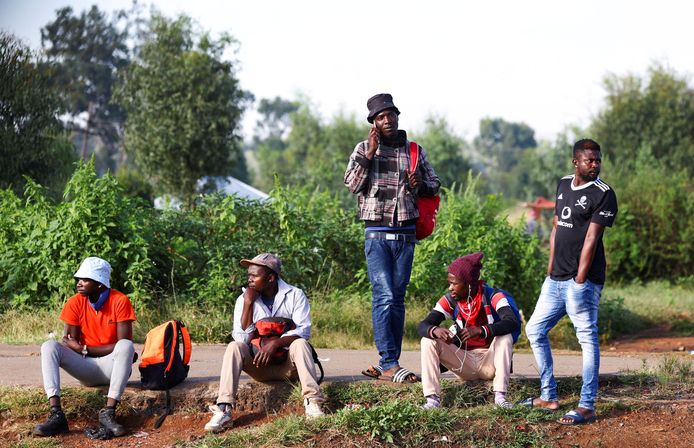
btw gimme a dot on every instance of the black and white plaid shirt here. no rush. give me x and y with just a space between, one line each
381 183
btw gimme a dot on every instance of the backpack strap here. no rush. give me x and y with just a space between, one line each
317 361
173 345
414 156
183 331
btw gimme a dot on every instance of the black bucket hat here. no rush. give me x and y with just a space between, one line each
378 103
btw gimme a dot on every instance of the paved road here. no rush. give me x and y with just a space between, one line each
21 365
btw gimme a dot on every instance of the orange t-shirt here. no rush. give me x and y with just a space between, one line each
98 327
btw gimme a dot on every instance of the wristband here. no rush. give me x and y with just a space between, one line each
84 351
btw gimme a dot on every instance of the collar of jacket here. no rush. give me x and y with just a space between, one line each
399 140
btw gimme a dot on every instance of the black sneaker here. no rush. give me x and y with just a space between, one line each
107 419
55 424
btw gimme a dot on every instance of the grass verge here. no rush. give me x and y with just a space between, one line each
343 320
373 414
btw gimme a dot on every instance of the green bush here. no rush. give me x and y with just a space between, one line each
467 223
44 243
192 256
188 255
653 236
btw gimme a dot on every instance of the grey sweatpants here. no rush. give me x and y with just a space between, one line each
113 369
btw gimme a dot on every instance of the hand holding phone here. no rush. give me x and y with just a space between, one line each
373 142
443 334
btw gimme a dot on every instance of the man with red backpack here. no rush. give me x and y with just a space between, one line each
480 344
268 302
379 172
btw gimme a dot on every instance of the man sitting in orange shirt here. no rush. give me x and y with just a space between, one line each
97 348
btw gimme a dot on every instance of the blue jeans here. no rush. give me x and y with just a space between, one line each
580 302
389 265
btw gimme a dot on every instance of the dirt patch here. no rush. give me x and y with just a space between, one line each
652 341
177 428
648 423
666 426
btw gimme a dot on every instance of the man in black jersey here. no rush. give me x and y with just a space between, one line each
585 205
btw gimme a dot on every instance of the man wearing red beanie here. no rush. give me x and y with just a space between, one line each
478 346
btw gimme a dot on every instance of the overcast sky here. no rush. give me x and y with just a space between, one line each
539 62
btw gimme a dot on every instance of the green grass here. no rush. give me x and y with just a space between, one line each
378 414
368 414
343 319
657 303
17 327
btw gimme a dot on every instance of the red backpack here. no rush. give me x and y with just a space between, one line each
269 328
428 205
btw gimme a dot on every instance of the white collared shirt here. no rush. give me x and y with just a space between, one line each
290 302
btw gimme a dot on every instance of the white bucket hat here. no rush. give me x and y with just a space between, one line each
95 268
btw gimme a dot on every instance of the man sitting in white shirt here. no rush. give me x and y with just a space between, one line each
267 295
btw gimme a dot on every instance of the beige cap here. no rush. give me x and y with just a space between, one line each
266 259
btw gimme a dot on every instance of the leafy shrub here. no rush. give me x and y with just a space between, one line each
467 223
43 243
312 235
653 236
394 421
189 255
192 256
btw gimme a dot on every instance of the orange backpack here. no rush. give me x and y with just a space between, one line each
162 365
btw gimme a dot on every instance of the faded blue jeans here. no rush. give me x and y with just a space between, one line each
389 264
580 302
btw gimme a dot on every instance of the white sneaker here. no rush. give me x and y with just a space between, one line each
433 402
313 409
220 420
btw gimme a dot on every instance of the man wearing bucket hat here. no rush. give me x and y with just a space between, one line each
267 295
379 174
97 347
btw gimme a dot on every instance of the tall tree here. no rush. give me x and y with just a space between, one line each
501 141
313 153
498 149
275 120
448 153
270 140
539 168
184 107
87 51
32 141
655 113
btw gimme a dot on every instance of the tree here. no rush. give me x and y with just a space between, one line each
540 168
184 107
88 51
304 151
502 141
499 147
32 141
275 121
446 151
655 113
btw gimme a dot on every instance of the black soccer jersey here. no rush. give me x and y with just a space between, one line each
576 208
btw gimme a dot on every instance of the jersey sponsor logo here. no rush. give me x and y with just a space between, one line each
582 202
565 214
606 213
561 196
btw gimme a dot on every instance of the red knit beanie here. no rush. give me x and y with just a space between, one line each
467 268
